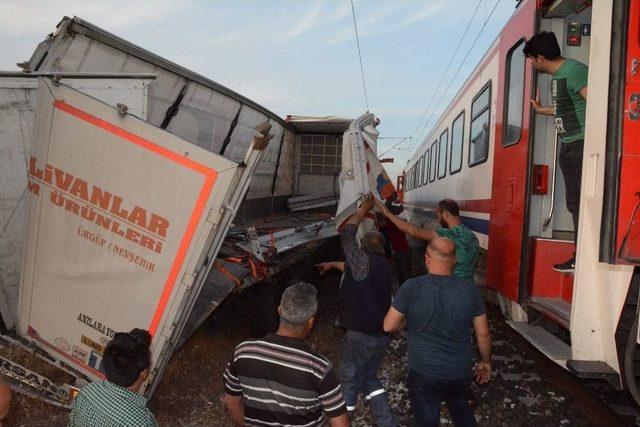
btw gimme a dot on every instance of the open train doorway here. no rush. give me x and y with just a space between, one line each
556 146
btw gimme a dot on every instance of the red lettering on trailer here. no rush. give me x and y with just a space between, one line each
33 187
109 203
159 224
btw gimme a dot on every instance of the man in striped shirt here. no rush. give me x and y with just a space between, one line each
279 380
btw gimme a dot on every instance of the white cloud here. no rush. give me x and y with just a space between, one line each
309 22
384 20
342 11
433 8
367 23
27 17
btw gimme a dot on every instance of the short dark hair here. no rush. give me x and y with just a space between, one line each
544 43
127 355
449 205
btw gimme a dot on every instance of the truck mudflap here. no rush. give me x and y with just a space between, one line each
124 221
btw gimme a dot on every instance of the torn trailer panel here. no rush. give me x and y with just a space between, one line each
112 245
257 254
184 103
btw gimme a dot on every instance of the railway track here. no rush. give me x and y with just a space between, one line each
599 402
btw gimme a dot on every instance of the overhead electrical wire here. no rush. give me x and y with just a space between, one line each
446 70
484 25
394 146
355 29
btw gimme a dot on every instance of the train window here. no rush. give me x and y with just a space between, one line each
419 172
514 88
479 135
425 167
433 161
457 142
413 175
442 150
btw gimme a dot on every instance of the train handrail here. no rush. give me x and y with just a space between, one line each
552 206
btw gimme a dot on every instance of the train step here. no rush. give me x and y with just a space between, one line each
550 345
595 369
557 309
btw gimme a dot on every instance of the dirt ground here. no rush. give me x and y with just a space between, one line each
189 392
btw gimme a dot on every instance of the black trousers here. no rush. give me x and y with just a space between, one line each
571 166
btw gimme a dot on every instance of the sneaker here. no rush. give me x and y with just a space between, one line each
566 267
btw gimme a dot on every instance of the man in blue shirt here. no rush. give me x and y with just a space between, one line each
439 310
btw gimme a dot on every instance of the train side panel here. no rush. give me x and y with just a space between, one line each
471 186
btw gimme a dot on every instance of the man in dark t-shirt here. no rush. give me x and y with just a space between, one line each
569 99
438 311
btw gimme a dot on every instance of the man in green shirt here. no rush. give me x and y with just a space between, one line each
569 105
115 402
448 216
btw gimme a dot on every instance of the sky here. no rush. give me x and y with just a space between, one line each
295 56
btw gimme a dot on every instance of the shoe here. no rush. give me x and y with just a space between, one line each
566 267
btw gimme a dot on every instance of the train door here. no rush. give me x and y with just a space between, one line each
597 304
621 212
508 192
551 233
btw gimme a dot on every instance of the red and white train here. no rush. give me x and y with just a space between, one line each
492 154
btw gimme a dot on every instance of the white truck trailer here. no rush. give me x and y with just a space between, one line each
120 175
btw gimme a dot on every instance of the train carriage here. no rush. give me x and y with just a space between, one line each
490 152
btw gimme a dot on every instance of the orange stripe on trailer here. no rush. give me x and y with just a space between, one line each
210 177
137 140
182 251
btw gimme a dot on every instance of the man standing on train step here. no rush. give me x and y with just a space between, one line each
568 96
448 216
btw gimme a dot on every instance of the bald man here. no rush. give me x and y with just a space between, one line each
439 310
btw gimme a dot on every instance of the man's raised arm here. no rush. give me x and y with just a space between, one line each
426 234
354 256
365 207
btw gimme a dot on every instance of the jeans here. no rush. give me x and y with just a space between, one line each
426 394
361 357
570 161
